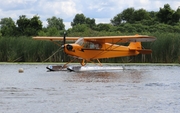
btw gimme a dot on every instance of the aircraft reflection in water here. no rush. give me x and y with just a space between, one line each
91 49
128 75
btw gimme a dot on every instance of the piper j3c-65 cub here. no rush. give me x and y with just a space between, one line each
89 49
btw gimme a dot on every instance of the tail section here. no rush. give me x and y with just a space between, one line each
136 46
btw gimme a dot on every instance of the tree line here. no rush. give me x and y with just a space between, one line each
128 21
16 43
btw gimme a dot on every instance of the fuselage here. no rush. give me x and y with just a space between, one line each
92 50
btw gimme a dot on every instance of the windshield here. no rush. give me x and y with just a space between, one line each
80 41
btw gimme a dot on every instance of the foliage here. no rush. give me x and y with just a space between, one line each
167 15
7 26
28 27
165 49
55 23
103 27
80 28
117 20
16 43
51 31
81 19
90 22
22 49
128 15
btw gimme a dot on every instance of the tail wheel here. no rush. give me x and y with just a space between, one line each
83 62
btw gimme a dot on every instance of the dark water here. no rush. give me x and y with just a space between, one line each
138 89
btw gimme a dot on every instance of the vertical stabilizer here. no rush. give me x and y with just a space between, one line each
135 46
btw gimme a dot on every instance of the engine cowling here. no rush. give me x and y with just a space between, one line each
69 47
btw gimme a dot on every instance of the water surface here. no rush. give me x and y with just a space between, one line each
138 89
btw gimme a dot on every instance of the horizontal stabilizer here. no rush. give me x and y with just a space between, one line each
145 51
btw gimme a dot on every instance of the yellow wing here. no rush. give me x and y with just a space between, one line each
56 38
117 39
104 39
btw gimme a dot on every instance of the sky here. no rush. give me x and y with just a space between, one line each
101 10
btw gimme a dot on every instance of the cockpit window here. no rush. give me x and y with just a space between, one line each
91 45
80 41
88 44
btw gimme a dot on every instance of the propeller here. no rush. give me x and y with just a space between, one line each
63 46
68 46
64 39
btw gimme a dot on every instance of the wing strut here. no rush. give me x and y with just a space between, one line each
65 65
99 62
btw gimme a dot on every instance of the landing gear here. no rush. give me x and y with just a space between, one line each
83 62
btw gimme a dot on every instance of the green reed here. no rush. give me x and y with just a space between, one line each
166 49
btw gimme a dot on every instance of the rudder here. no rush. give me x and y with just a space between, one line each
135 46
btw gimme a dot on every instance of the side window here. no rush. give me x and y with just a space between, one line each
97 46
86 45
91 45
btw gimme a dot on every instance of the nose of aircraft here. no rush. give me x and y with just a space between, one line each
69 47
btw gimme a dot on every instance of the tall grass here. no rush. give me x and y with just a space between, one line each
25 49
166 49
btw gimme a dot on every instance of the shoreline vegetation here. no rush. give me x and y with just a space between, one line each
166 49
17 45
